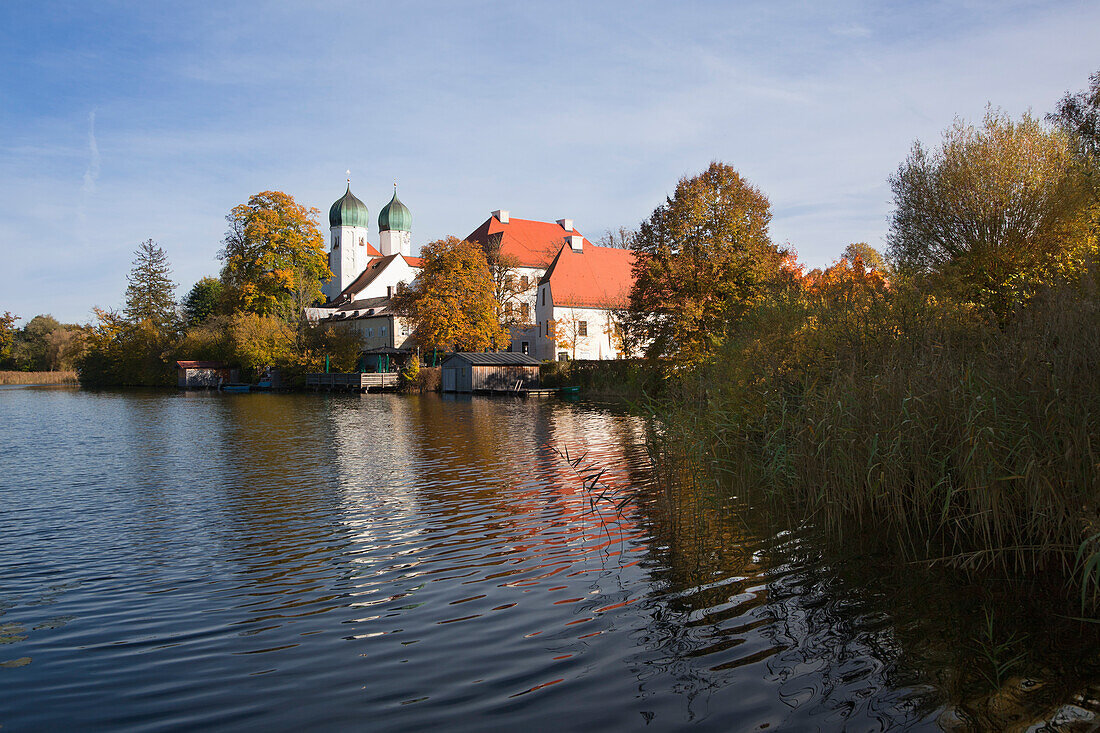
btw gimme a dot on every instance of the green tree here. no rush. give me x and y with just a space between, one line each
452 304
202 300
150 292
30 349
993 212
701 259
274 255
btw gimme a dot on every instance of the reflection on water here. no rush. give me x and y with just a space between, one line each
394 563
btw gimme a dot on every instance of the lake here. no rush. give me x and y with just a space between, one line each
388 562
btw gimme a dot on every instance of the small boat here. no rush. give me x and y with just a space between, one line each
236 387
575 389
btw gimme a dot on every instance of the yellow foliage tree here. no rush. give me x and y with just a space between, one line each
994 212
274 255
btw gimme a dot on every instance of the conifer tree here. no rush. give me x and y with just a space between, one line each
150 292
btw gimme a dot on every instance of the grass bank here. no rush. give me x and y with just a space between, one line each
622 378
915 424
38 377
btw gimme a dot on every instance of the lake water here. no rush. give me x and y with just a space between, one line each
386 562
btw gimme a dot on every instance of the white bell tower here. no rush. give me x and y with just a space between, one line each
348 220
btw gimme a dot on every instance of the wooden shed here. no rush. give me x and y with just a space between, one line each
203 374
490 372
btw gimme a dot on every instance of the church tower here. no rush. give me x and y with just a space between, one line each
348 220
395 228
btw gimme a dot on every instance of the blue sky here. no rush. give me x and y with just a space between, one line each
124 121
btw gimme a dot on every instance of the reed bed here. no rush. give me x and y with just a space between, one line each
946 439
38 377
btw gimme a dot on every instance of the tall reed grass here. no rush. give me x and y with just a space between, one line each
38 377
916 423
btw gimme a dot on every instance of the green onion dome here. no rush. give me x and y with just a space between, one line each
348 211
395 216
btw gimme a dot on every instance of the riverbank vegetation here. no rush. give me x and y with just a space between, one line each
251 317
56 377
943 401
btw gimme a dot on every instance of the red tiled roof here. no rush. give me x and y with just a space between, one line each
532 243
597 277
371 250
414 261
373 269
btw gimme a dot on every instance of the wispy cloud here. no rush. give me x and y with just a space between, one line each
850 30
91 173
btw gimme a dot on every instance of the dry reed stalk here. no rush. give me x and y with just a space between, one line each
38 377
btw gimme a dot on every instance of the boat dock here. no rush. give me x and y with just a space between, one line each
352 382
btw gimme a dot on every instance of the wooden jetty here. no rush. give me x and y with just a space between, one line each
352 382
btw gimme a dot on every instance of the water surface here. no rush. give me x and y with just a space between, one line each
386 562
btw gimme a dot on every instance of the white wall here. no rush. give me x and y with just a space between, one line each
598 343
395 242
346 260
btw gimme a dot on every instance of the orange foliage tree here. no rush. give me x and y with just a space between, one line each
452 304
701 260
274 256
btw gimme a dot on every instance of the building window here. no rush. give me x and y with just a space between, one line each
404 328
544 296
582 328
525 311
335 242
525 347
563 356
383 330
524 283
361 242
389 291
370 333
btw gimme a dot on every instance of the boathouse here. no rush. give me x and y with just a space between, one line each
203 374
466 371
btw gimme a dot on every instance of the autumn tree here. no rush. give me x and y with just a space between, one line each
274 255
452 303
702 258
7 336
150 292
565 331
992 212
867 255
202 300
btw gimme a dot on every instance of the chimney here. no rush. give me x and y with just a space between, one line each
576 242
502 215
566 224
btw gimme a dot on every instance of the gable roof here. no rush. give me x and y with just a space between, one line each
374 268
596 277
493 358
532 243
413 261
